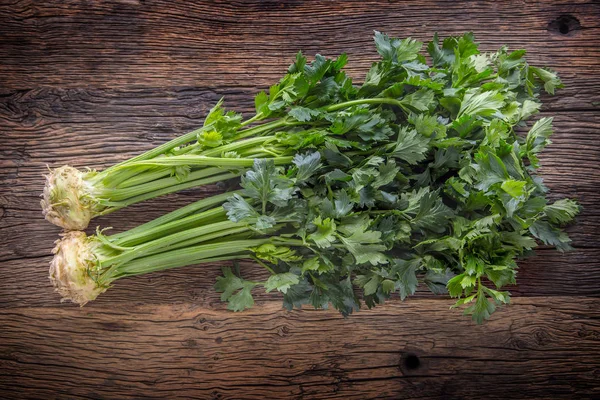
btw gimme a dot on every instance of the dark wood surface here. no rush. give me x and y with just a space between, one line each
91 83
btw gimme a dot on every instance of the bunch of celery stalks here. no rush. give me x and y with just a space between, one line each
333 184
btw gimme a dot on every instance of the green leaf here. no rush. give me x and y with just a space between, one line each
388 286
215 113
281 282
342 204
529 108
466 125
338 175
421 100
489 169
342 297
324 236
340 62
365 245
417 80
550 79
482 309
297 295
335 158
317 69
517 240
387 173
502 275
384 46
468 281
316 264
303 114
484 104
562 211
442 56
369 283
346 121
514 188
181 172
473 265
264 222
407 49
508 62
307 165
238 209
550 235
229 284
264 183
466 45
405 272
396 50
410 146
538 137
437 281
427 125
298 65
225 123
210 139
271 253
261 104
498 297
241 300
433 214
455 288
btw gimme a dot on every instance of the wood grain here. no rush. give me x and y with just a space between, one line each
161 43
527 351
92 83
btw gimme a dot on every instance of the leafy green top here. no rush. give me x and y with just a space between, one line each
420 176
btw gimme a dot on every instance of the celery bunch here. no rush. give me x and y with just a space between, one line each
417 175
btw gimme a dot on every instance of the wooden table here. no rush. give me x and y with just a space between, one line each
90 83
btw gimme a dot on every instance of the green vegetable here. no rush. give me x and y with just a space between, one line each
418 175
295 114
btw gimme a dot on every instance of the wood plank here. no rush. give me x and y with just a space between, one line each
161 44
401 351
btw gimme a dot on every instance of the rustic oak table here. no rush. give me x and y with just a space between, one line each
92 83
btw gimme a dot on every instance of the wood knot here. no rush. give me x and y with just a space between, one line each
517 343
411 363
541 337
190 344
113 326
3 204
283 331
565 25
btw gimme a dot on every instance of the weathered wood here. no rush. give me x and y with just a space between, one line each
92 83
401 351
159 43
